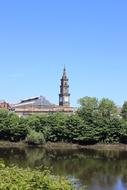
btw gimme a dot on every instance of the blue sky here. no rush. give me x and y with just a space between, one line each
37 37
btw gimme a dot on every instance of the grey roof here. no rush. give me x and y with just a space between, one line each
40 101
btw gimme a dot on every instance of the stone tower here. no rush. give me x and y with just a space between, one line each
64 96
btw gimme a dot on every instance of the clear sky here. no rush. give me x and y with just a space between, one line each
37 37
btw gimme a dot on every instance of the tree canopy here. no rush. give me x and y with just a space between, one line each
95 121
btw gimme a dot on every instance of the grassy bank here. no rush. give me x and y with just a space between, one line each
107 147
95 147
66 146
15 178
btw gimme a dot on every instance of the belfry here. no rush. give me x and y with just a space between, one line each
64 96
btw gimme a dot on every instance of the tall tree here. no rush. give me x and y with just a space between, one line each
89 106
124 111
107 108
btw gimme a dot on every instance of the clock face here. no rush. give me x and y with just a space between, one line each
66 99
61 99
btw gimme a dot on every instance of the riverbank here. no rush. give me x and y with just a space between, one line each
107 147
67 146
64 146
49 145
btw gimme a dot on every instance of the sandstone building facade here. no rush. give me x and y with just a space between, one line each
4 105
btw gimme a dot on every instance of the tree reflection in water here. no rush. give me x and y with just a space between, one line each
104 170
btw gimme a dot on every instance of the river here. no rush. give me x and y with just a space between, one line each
90 169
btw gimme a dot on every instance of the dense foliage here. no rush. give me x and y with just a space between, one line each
13 178
35 138
94 122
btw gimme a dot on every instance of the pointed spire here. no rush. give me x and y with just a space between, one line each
64 70
64 73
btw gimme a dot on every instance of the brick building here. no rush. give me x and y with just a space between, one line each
4 105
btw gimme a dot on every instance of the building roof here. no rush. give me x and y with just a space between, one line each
39 101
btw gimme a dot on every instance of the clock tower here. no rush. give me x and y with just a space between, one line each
64 96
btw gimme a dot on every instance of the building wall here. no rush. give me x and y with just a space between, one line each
4 105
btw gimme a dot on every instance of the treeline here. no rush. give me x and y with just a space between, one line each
96 121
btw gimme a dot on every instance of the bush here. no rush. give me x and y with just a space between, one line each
15 178
35 138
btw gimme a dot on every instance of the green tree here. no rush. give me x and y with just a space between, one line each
107 108
124 111
33 122
75 128
55 129
123 131
12 127
13 130
88 107
3 124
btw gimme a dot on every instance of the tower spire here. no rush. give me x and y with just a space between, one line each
64 73
64 96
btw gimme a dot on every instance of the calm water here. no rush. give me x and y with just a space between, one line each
97 170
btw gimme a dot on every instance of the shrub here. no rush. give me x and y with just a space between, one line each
15 178
35 138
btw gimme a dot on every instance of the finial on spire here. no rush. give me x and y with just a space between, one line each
64 67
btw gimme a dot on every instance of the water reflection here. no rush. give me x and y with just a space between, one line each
98 170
